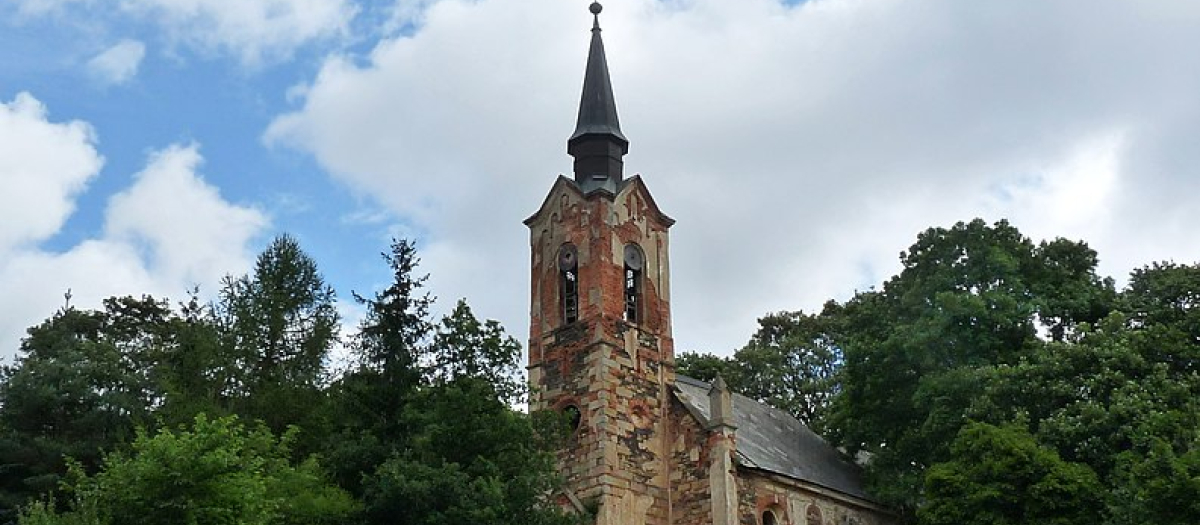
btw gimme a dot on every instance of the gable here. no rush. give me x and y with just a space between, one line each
772 440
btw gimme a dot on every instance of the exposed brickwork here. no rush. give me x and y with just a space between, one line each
639 456
794 504
614 371
690 497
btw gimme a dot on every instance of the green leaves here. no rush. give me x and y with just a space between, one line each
215 472
790 363
1002 476
421 431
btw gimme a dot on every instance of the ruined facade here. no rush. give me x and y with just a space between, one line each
648 447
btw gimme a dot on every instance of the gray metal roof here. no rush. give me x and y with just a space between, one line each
598 106
772 440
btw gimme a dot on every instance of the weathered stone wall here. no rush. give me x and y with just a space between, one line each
614 371
795 504
690 492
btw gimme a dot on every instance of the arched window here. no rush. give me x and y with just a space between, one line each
568 287
635 263
813 516
768 518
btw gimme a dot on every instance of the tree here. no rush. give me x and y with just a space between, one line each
281 323
969 297
1002 476
392 336
1163 302
471 459
369 400
790 363
195 371
463 347
82 384
707 367
215 472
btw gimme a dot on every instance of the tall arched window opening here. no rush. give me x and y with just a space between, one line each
768 518
635 263
813 516
568 287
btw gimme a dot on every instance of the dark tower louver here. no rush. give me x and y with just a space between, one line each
597 144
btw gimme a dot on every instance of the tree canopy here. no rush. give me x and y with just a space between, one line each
232 412
996 380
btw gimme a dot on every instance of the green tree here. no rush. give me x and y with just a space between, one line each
472 459
707 367
464 347
281 323
82 382
368 401
215 472
195 371
1163 302
790 363
969 297
1002 476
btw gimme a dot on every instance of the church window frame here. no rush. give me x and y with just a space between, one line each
568 279
769 517
633 278
813 515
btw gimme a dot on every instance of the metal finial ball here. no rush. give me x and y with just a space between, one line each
595 8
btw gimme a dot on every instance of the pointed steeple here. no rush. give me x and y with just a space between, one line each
597 144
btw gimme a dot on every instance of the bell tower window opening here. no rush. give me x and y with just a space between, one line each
568 277
635 263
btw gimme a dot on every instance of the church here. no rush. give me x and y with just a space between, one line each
649 447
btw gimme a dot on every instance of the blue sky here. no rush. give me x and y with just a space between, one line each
148 146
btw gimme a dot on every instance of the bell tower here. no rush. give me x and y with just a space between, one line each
600 344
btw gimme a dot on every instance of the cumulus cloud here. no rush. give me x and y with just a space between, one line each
185 226
167 232
43 7
43 166
254 31
119 63
800 148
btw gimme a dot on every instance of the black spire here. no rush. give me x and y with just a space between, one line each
597 144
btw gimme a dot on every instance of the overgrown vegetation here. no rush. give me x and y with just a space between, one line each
229 412
998 381
992 381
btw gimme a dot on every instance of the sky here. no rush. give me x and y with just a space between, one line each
156 146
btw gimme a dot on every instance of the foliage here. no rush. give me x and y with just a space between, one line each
396 326
968 297
280 323
81 385
464 347
218 471
790 363
472 459
993 380
1002 476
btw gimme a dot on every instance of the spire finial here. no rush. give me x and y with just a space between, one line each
595 8
597 143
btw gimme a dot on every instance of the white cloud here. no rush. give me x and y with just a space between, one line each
185 226
167 232
43 166
255 30
118 64
800 148
43 7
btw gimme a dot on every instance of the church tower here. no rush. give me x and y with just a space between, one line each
600 345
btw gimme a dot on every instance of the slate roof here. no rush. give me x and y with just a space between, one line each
772 440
